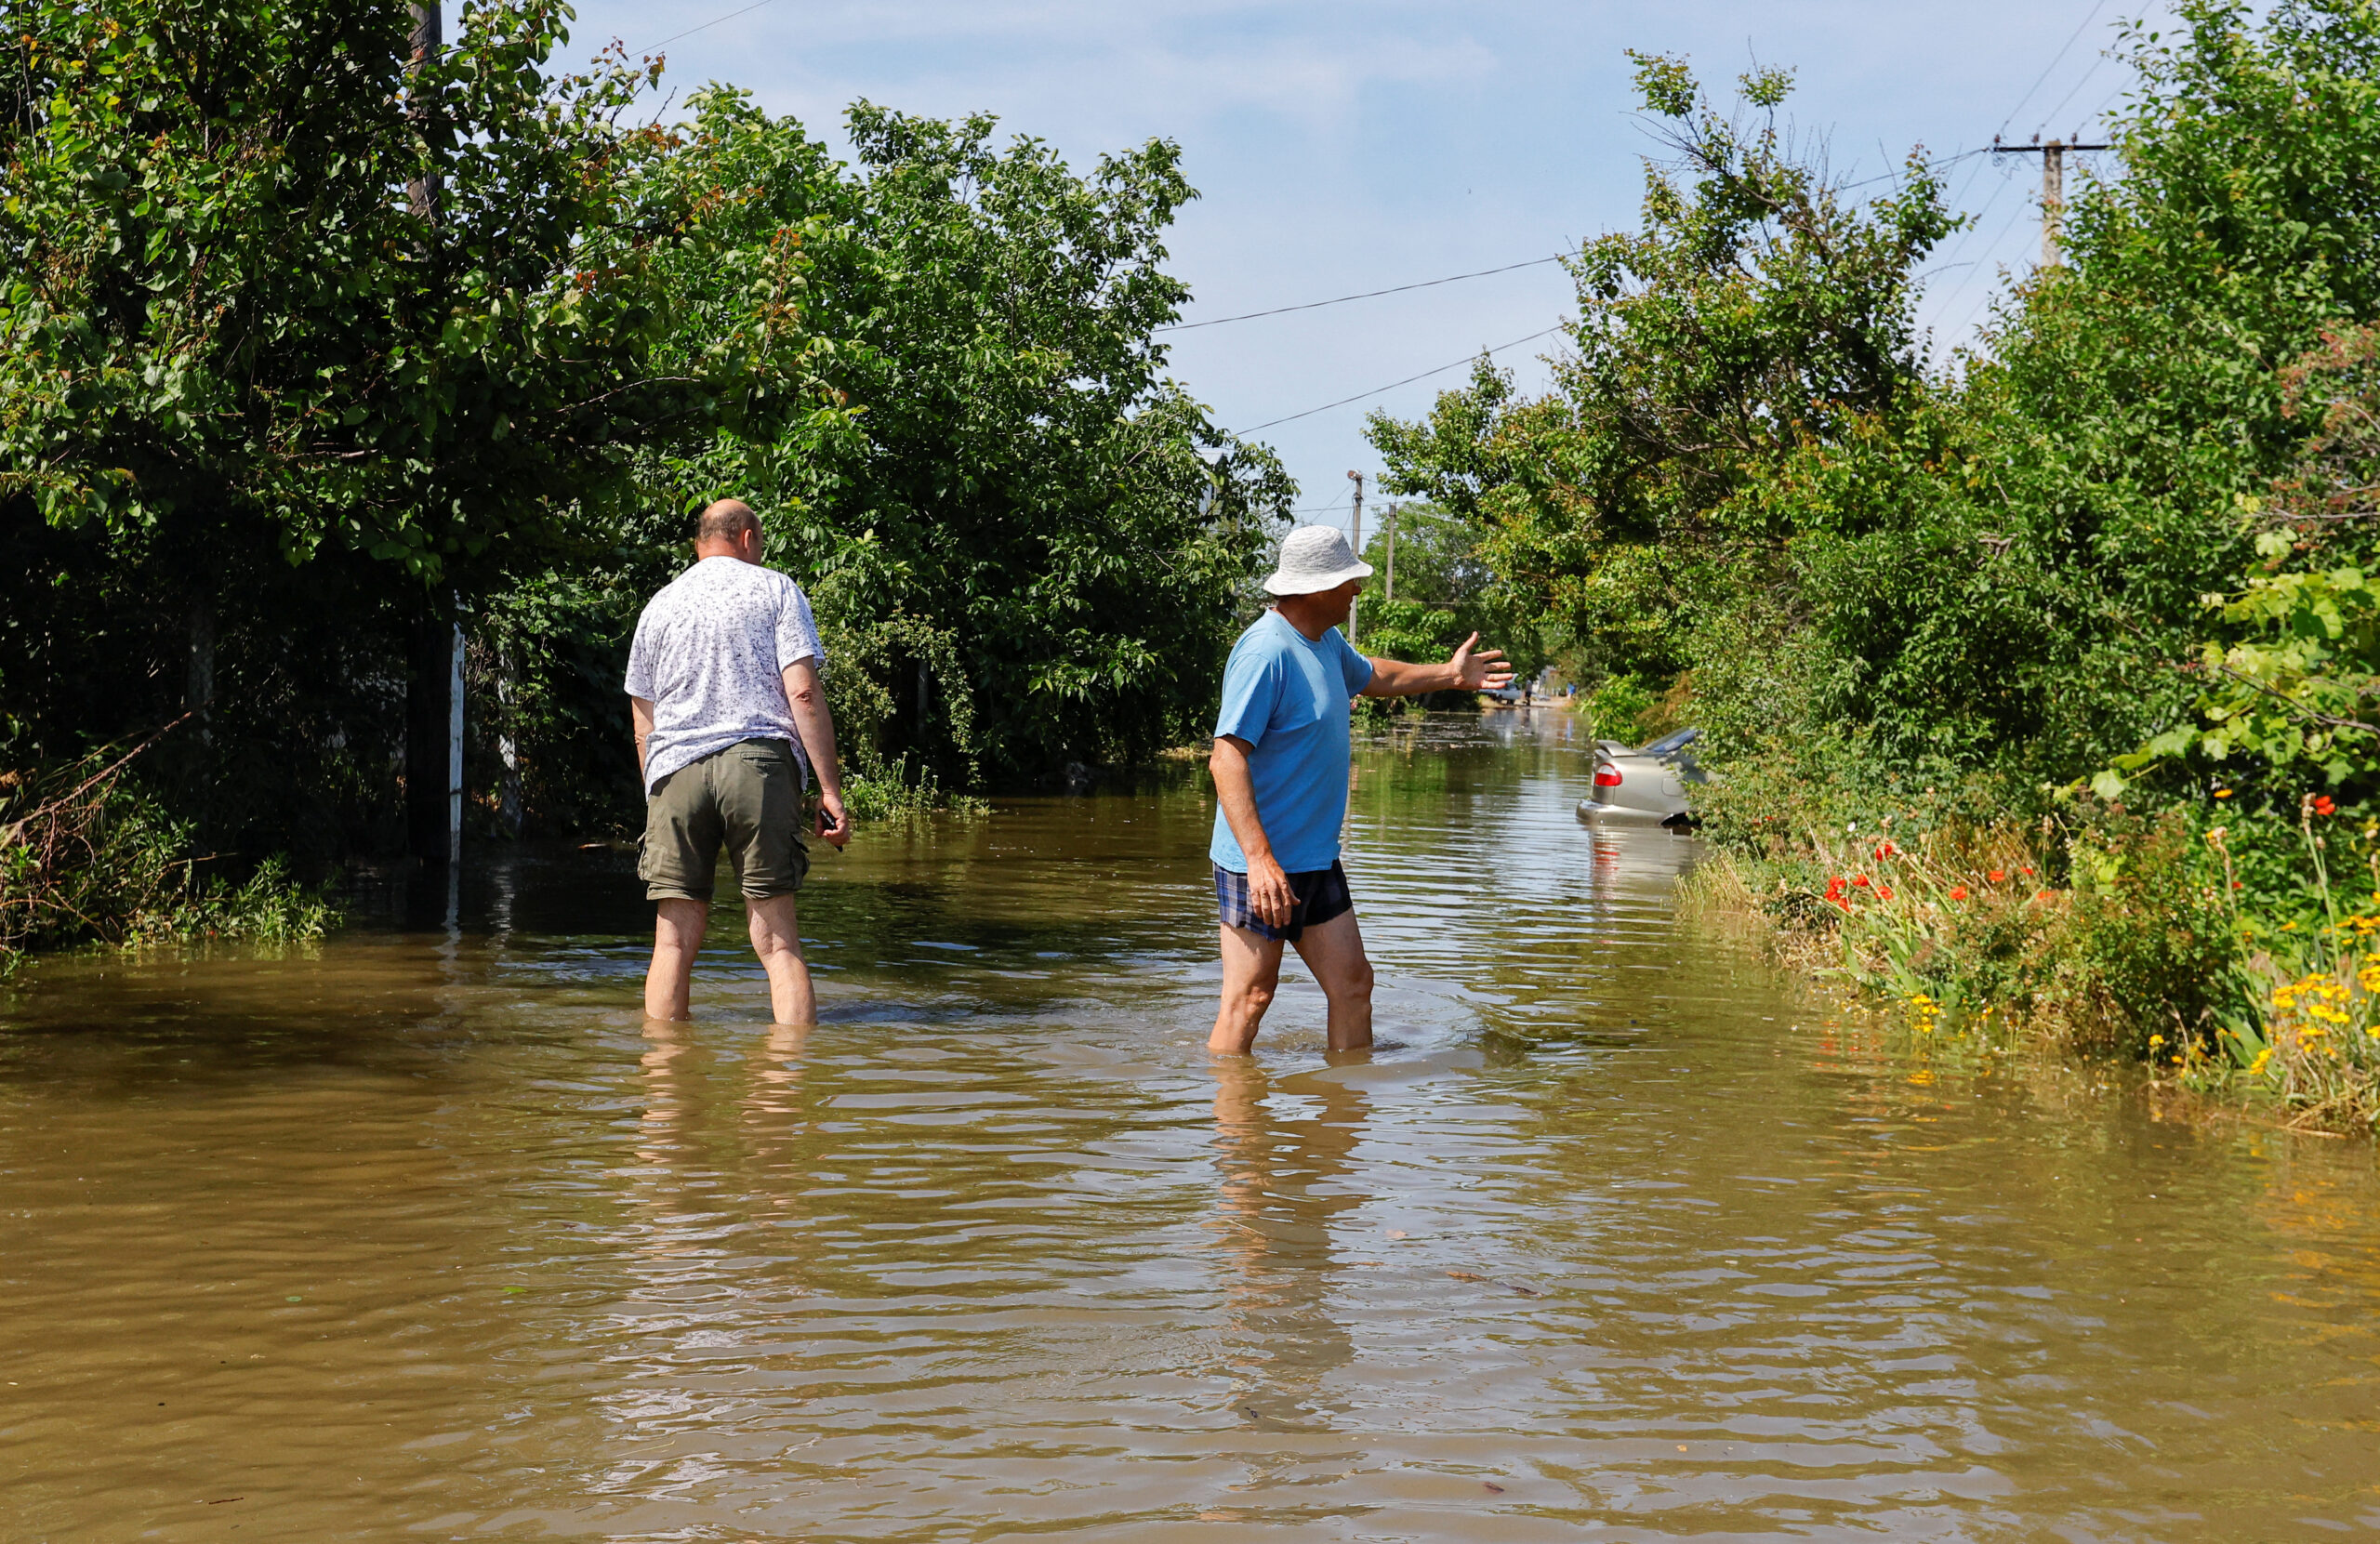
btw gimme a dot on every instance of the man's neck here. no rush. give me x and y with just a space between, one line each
1310 624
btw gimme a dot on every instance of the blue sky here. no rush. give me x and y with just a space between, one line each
1341 147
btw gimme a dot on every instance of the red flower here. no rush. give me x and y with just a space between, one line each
1958 892
2027 872
1886 850
2046 895
1885 891
1860 880
1997 874
2323 805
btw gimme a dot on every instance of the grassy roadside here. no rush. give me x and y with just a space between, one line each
2111 938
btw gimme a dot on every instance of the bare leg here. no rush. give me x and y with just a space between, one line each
677 928
1252 974
777 940
1334 951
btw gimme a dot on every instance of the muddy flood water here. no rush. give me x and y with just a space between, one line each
425 1234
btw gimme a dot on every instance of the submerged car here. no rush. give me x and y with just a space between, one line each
1646 786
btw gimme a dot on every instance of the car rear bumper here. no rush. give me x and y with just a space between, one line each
1596 813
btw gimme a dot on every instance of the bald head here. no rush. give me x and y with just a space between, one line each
723 526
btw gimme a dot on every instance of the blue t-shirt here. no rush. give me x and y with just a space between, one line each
1286 695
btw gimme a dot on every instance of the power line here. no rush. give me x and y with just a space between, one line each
706 26
1884 177
1341 300
1967 234
1394 384
1985 298
2071 90
2052 65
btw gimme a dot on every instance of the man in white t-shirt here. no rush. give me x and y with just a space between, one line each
731 723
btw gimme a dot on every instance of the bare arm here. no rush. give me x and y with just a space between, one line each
640 715
807 699
1268 888
1471 669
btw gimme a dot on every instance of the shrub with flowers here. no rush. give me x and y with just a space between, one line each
2212 948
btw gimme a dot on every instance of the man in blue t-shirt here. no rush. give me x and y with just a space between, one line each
1280 766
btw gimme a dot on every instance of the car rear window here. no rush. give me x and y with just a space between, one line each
1669 744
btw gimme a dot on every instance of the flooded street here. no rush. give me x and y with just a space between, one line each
425 1234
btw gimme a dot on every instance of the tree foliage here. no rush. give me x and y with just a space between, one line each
262 411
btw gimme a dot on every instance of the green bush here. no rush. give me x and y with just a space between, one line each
88 856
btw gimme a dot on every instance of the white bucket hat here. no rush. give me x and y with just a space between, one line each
1315 557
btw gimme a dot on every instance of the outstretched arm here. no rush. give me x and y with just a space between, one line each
1471 669
1268 888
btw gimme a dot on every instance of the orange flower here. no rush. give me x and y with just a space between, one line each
1958 892
1997 874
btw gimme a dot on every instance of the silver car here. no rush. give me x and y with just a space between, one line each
1646 786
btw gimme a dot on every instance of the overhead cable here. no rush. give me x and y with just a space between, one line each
1985 298
2052 65
705 26
2084 80
1341 300
1394 384
1885 176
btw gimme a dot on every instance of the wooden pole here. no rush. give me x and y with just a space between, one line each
1390 593
2053 156
1357 478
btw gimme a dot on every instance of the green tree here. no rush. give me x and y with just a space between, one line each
258 408
1756 314
1029 539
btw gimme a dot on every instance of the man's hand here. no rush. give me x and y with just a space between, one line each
1478 669
1269 895
834 822
1268 888
1473 668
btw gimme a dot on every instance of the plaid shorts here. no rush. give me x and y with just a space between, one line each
1317 895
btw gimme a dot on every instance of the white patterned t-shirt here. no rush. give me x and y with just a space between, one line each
709 655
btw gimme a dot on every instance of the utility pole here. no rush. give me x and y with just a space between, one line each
434 688
1390 593
2053 156
1357 477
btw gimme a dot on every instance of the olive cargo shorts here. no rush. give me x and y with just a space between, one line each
747 798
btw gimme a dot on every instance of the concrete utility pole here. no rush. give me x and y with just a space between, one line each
1390 593
434 687
1357 477
2053 156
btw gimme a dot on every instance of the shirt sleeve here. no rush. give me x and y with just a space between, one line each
1251 690
639 676
798 631
1352 666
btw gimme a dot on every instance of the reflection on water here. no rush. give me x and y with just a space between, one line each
427 1234
1284 1179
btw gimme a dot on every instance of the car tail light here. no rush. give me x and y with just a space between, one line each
1607 776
